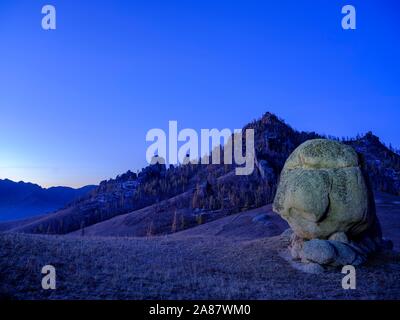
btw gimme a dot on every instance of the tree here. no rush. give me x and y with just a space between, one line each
173 227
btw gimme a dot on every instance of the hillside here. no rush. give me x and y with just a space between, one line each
214 190
382 163
22 200
235 257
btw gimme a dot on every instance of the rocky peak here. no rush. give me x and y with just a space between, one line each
370 138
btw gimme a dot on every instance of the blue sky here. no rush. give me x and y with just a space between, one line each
76 103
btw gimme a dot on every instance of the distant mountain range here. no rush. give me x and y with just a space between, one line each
21 200
160 200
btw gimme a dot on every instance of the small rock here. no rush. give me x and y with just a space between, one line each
295 252
313 268
339 236
359 260
360 248
296 246
345 254
319 251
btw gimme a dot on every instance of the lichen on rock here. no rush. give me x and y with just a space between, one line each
325 197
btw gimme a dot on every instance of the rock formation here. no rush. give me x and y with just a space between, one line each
325 196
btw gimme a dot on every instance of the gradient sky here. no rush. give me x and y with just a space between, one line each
76 103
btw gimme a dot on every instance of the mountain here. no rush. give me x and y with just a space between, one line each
161 200
381 162
21 200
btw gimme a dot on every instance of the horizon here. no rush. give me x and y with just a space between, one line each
44 187
109 73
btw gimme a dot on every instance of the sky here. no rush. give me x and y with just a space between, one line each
76 102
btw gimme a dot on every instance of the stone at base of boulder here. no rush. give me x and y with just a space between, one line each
328 252
296 246
344 254
318 251
312 268
339 236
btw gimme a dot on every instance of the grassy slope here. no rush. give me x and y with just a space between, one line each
154 219
233 257
9 225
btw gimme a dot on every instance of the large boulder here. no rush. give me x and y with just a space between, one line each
325 196
322 191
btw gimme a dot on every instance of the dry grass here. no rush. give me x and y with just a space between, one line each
172 267
230 258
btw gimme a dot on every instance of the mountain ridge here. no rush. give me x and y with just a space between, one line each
209 191
25 199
